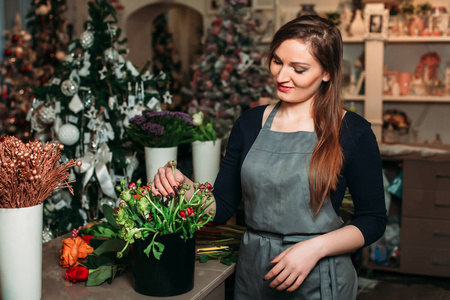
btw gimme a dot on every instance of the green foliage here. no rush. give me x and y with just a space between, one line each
142 214
203 132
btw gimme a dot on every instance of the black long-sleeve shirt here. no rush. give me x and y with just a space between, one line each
361 172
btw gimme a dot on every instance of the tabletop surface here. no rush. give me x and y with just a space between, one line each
55 286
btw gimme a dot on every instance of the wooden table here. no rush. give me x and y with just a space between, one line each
209 282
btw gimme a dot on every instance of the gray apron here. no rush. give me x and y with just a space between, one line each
276 197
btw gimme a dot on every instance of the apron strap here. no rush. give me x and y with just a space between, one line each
269 120
328 279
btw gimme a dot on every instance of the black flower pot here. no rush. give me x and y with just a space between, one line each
172 274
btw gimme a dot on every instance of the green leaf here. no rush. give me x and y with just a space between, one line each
103 261
157 253
204 258
108 212
111 245
100 275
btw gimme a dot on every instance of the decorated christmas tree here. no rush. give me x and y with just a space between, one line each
17 79
231 75
51 34
164 57
85 106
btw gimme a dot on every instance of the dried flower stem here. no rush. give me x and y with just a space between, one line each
30 172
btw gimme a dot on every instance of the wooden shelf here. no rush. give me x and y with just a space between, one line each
350 97
442 99
352 39
419 39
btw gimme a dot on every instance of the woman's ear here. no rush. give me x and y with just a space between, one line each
326 77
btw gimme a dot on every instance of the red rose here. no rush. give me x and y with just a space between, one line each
132 185
182 214
87 238
189 211
209 186
76 274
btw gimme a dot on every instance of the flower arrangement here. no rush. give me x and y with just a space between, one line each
142 214
203 132
30 172
92 259
396 120
161 129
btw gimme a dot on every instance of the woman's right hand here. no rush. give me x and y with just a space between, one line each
166 181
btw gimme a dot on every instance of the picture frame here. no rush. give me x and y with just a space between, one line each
263 4
212 6
376 23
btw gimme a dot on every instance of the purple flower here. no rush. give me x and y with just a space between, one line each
155 129
137 120
169 114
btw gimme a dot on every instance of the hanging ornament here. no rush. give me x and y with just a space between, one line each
111 55
60 55
84 71
47 235
68 134
87 39
106 201
167 97
46 114
42 10
103 73
69 87
76 105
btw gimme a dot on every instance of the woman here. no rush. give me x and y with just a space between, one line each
291 163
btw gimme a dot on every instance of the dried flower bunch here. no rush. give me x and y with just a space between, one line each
394 119
143 215
161 129
30 172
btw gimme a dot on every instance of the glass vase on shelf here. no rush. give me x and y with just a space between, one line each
306 9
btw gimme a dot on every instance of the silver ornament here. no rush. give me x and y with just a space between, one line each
69 87
46 114
68 134
47 235
108 201
111 55
87 39
132 162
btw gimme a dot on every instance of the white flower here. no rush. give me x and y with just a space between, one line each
197 118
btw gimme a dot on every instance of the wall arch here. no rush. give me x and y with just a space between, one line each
136 22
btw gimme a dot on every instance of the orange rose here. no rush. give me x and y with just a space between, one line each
72 250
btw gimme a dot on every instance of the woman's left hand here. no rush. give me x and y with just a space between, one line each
293 265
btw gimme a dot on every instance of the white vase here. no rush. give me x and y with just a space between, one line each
21 252
357 26
206 160
156 158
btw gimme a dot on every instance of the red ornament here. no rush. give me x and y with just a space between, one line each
7 52
15 38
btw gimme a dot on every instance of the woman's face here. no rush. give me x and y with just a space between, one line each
296 73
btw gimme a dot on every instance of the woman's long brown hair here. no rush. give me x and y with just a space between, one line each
325 44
